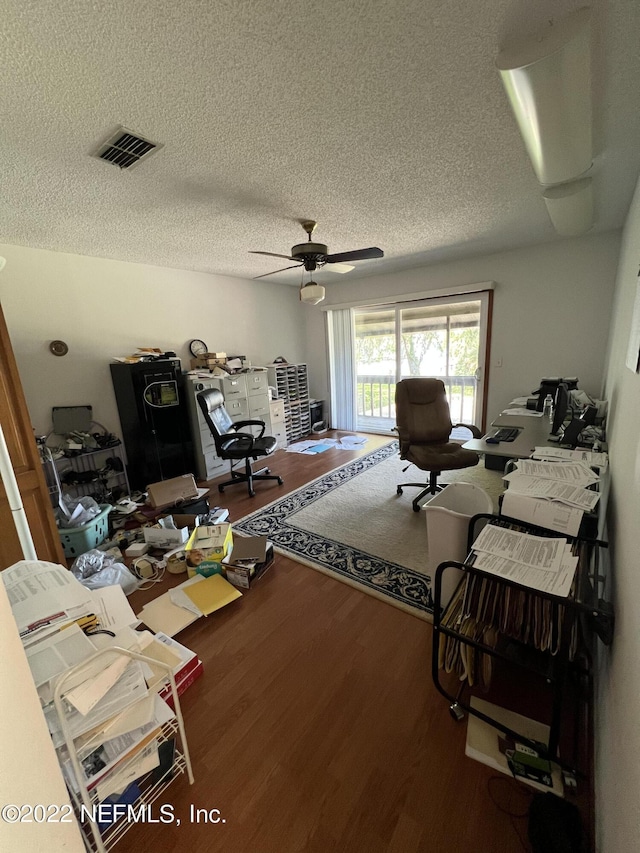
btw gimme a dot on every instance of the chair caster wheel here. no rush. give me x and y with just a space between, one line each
221 488
416 507
456 712
252 494
280 481
399 490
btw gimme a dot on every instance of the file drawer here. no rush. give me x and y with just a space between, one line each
206 439
257 383
279 432
276 409
238 408
259 408
233 386
214 466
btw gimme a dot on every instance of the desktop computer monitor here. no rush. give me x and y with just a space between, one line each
561 408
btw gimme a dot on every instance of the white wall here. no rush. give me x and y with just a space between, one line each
29 770
552 305
618 683
104 308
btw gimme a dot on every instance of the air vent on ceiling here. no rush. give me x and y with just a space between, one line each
125 148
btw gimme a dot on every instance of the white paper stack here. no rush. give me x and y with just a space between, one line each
541 563
553 495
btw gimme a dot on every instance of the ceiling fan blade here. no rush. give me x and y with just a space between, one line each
356 255
273 255
264 275
341 268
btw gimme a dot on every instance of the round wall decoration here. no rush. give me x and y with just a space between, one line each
58 348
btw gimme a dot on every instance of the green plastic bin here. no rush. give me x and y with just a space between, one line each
79 540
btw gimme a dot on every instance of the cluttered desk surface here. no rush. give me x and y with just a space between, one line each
564 417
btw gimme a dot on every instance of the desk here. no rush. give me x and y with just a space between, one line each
534 433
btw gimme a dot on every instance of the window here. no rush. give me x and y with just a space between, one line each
444 338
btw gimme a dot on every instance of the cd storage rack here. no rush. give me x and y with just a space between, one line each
292 385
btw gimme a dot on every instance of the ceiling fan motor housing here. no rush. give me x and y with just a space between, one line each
310 254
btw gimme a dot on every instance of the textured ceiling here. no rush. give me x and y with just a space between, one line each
384 121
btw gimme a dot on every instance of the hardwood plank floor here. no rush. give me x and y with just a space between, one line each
316 727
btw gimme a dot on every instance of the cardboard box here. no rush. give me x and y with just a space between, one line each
191 520
183 681
207 546
158 537
245 575
209 360
185 520
168 492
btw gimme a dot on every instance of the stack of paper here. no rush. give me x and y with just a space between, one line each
551 494
196 597
312 446
112 721
537 562
186 665
122 749
44 595
590 457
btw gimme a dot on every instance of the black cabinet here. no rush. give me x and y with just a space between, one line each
154 420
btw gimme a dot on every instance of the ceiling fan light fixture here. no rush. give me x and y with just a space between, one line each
311 293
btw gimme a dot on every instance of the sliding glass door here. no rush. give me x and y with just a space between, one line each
442 338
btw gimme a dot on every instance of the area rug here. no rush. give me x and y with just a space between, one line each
351 524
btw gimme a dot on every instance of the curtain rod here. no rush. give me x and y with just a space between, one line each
455 290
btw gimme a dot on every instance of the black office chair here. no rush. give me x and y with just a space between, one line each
235 446
424 425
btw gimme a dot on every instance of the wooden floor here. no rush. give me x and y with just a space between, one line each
316 727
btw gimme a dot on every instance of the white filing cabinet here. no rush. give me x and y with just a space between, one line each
246 397
278 426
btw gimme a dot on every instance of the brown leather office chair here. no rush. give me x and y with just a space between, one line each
236 446
424 425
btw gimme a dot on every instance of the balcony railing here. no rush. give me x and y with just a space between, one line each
375 396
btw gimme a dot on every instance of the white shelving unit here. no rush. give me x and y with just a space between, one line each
292 386
150 786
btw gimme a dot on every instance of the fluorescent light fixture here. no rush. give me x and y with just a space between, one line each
547 79
311 293
570 206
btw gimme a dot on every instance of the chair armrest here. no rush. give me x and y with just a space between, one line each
242 439
475 432
403 440
261 424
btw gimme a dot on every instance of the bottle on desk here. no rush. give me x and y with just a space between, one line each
547 407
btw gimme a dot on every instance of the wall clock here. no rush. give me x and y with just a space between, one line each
58 348
197 348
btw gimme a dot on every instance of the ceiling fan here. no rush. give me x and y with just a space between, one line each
312 256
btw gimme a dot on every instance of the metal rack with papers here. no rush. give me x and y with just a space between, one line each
542 618
111 768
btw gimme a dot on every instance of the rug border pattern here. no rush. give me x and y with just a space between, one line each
391 582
